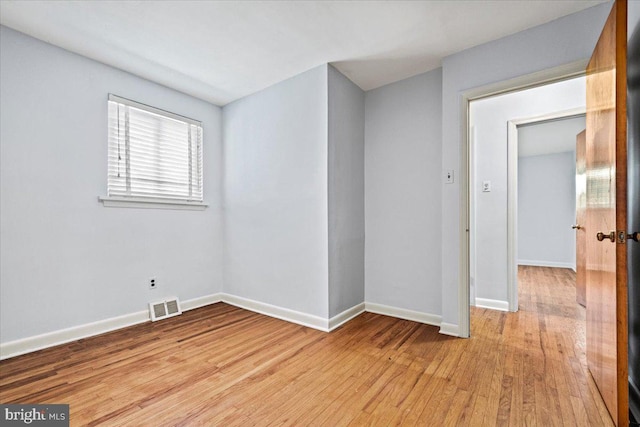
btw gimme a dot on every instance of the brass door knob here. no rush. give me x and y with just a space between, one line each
634 236
601 236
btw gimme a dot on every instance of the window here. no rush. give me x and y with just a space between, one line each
154 156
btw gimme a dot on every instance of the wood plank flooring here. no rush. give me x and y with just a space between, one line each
224 366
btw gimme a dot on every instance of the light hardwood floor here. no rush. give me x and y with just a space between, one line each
221 365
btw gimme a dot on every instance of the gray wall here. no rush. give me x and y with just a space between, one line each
547 209
275 194
346 193
402 193
66 260
559 42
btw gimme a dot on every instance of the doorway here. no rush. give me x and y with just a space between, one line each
494 122
542 193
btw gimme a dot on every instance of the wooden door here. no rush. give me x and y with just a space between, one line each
581 207
606 214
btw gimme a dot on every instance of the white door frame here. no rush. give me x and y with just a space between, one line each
512 194
563 72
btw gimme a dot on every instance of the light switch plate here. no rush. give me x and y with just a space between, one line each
448 176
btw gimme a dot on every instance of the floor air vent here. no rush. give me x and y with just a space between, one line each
163 309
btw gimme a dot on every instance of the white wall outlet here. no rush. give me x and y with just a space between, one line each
153 283
448 176
486 186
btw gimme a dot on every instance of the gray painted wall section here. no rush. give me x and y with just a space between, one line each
547 209
346 193
559 42
66 260
403 193
275 195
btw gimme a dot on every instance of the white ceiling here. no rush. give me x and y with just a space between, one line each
220 51
557 136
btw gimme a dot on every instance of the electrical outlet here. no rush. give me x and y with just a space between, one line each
486 186
152 283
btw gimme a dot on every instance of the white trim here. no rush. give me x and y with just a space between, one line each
293 316
542 263
529 81
450 329
512 216
63 336
555 115
341 318
562 72
493 304
154 110
403 313
194 303
463 329
144 203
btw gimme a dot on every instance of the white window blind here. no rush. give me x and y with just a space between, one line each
153 154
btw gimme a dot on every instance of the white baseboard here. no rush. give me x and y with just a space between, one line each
63 336
449 329
493 304
194 303
342 318
540 263
39 342
293 316
403 313
317 322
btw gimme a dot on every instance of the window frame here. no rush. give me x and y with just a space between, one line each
153 202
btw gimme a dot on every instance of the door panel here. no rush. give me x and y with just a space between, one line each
606 267
581 207
633 210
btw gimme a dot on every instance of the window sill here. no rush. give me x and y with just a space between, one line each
140 202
